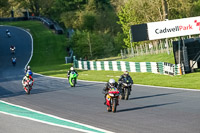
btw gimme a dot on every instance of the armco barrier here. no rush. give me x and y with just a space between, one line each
49 23
153 67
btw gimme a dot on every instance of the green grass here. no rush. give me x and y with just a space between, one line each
162 57
49 52
184 81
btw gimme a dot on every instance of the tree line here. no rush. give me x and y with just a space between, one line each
102 26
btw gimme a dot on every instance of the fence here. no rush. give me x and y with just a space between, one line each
153 67
155 47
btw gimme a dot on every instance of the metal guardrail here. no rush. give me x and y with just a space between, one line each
49 23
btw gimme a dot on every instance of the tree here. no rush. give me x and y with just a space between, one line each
4 6
127 17
61 7
94 45
195 10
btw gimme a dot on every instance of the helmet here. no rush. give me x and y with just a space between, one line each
126 73
71 68
111 82
28 67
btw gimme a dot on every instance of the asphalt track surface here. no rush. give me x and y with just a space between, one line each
149 109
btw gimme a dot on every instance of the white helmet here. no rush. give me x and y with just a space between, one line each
111 82
71 68
28 67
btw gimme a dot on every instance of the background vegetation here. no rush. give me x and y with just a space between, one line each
102 26
101 30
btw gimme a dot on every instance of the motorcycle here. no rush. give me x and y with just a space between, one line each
14 61
112 99
28 86
72 79
126 88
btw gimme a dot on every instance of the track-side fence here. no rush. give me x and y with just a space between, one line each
152 67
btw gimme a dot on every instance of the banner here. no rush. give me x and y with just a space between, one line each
173 28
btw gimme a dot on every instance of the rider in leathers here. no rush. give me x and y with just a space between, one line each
109 84
70 71
24 80
125 75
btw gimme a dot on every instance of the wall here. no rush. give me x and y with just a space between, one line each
152 67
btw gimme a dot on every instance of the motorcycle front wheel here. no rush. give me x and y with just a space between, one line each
122 94
114 105
73 82
28 90
127 92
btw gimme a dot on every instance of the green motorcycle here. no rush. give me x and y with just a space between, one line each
72 79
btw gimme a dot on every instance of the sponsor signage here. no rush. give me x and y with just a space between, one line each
173 28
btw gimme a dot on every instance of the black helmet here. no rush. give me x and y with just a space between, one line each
126 73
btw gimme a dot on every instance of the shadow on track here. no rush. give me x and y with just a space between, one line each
144 107
33 92
156 95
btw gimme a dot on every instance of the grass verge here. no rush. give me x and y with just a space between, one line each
161 57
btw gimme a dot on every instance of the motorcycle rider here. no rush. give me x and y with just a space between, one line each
8 33
24 80
121 79
12 49
28 70
70 71
111 83
14 60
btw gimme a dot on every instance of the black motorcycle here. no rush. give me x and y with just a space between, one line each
126 88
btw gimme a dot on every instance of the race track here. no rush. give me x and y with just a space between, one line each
149 110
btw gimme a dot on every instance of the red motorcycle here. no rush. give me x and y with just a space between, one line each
28 86
112 99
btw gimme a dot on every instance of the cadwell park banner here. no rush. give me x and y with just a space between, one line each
166 29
